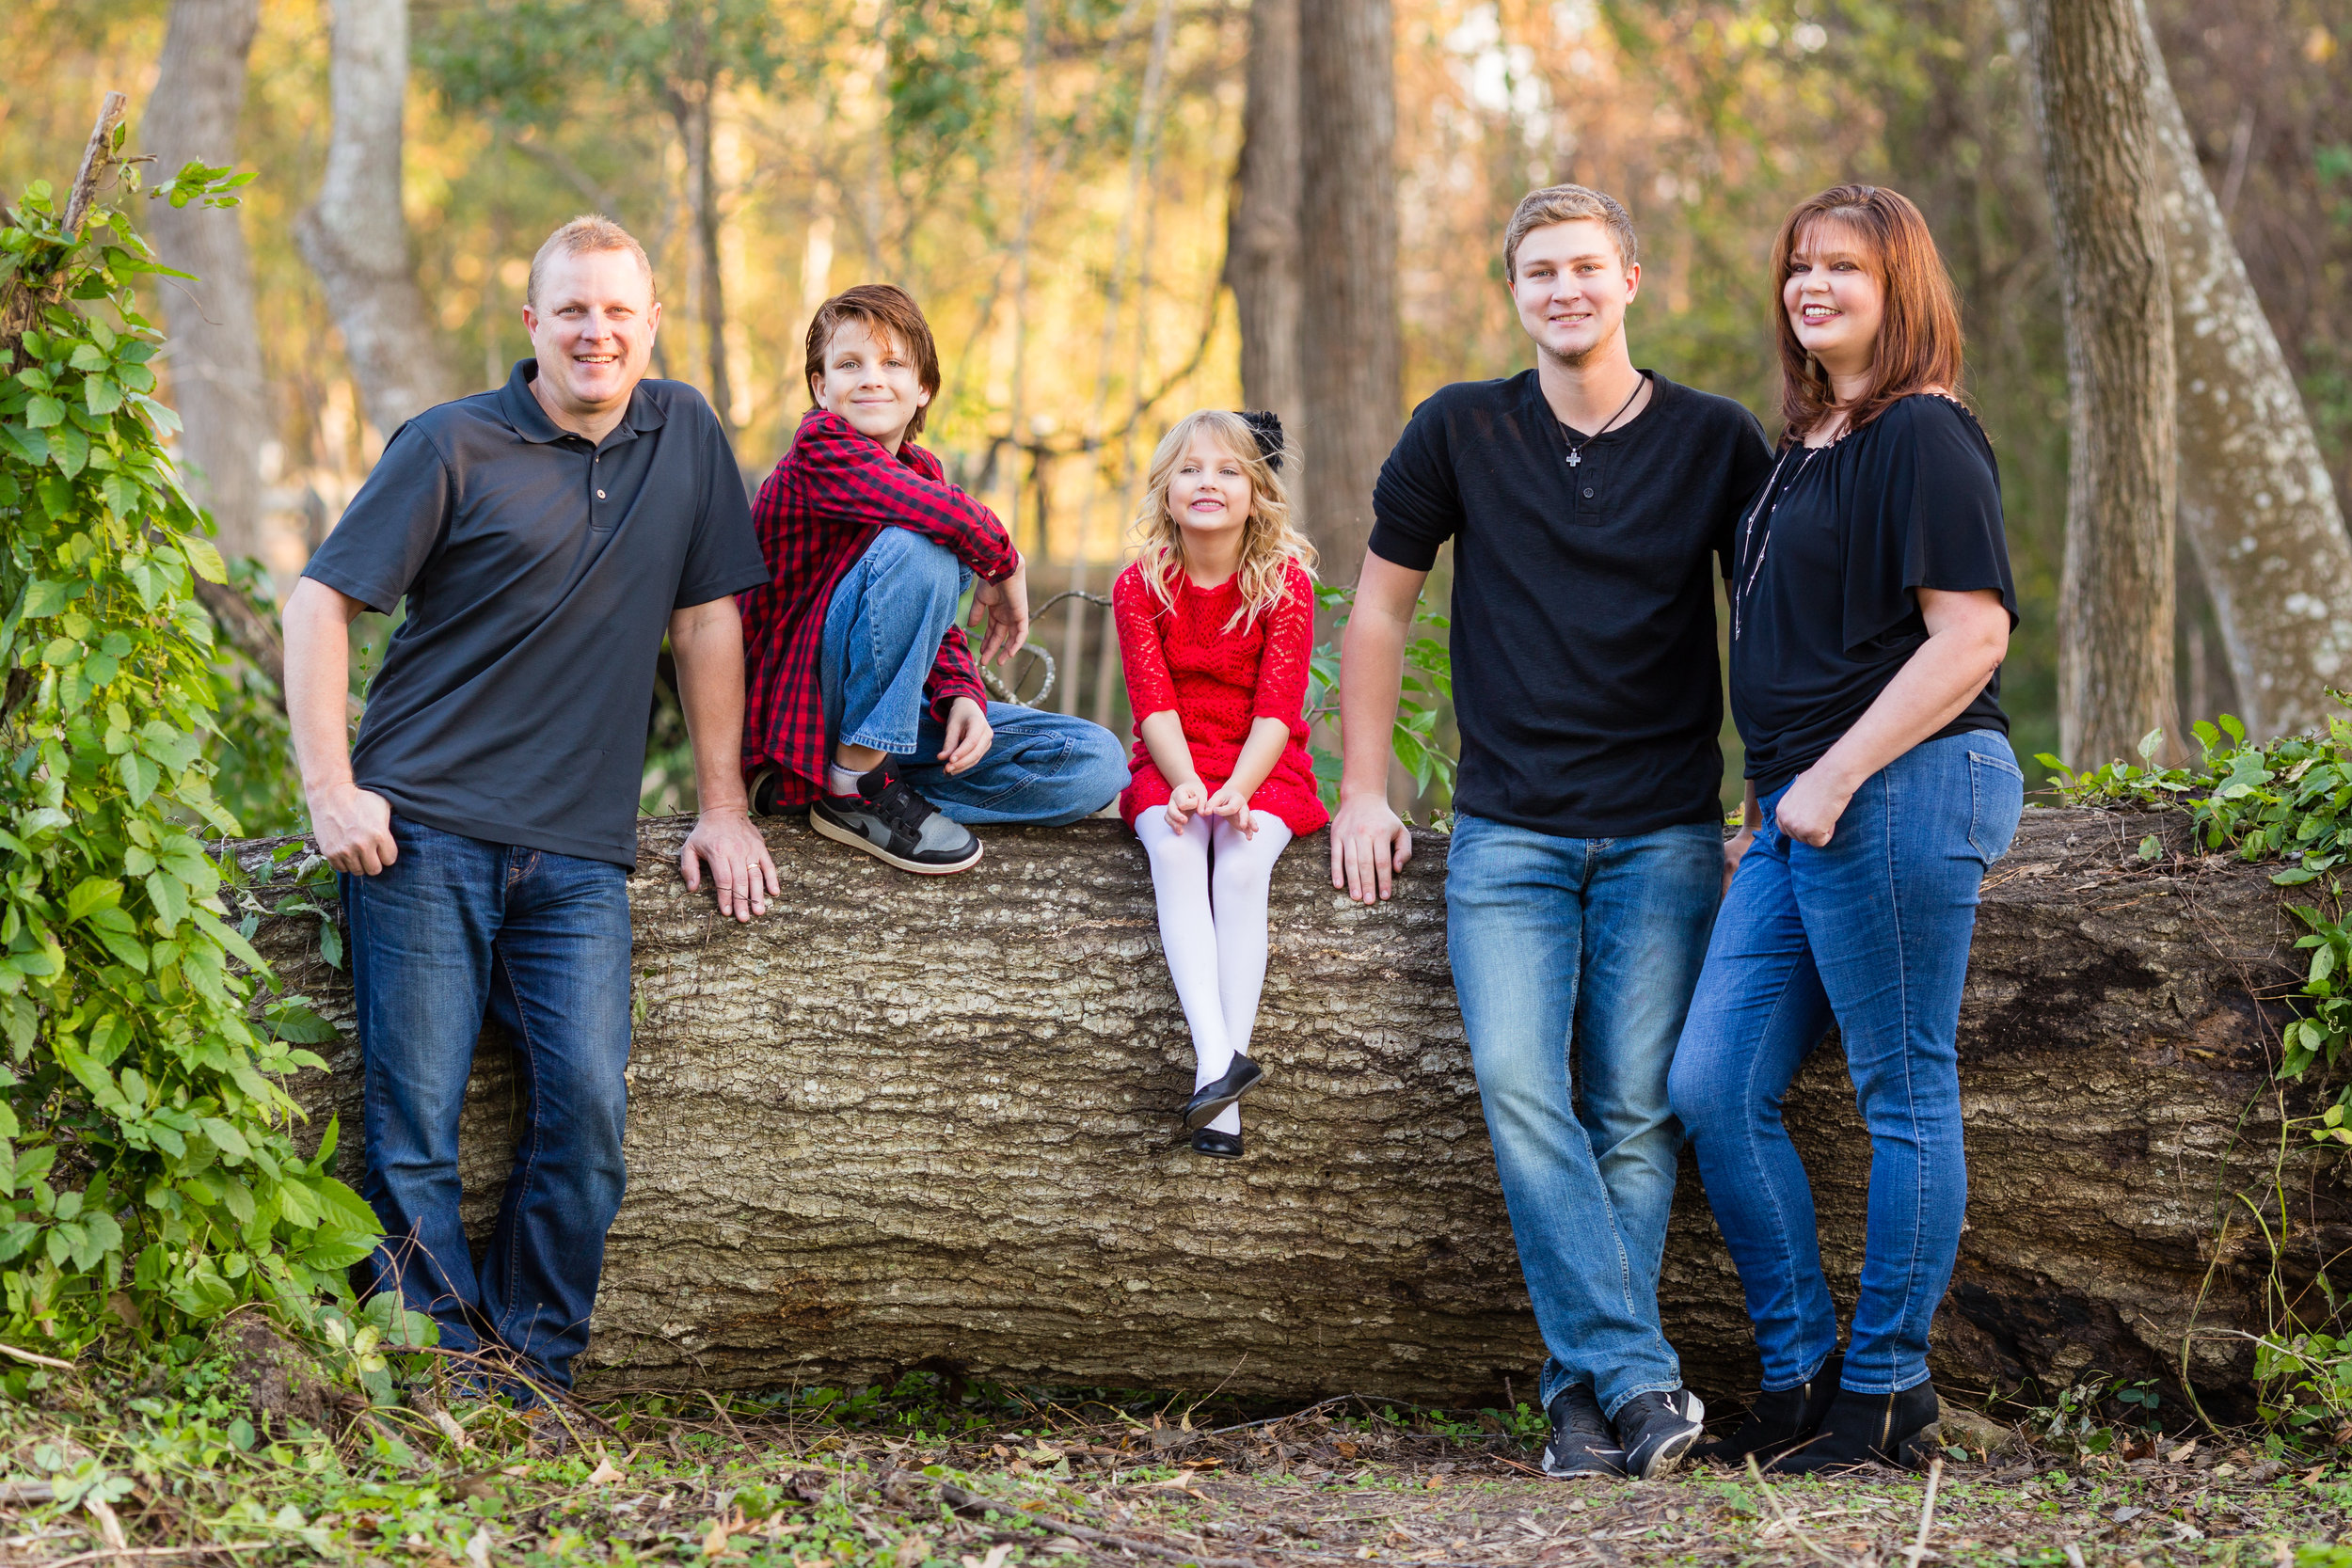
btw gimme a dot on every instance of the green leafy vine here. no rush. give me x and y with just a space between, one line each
149 1175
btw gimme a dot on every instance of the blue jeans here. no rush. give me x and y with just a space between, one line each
882 632
1583 948
1871 932
453 930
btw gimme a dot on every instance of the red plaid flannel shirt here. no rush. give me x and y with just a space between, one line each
828 497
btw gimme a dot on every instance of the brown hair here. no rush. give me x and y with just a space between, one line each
883 309
590 231
1566 204
1920 335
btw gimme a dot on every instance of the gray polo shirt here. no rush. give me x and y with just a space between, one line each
540 573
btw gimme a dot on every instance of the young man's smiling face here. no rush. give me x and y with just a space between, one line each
870 380
1571 288
592 327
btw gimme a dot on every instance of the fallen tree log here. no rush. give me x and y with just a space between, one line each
904 1123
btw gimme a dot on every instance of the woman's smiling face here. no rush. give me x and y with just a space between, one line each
1834 298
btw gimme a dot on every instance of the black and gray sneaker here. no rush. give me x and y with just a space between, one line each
1581 1442
1658 1429
888 820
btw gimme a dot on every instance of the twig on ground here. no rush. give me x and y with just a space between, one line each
35 1359
1773 1502
959 1497
1918 1548
202 1551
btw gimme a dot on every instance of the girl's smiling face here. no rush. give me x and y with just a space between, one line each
1833 300
1209 495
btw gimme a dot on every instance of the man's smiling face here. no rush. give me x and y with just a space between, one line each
593 328
1571 288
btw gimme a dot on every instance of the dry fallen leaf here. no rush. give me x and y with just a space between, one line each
605 1470
715 1542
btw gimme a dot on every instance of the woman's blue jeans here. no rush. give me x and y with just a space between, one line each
1870 932
1573 960
455 930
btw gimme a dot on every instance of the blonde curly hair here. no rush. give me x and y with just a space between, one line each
1268 542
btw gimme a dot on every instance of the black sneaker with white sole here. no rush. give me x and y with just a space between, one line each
1658 1429
1581 1442
888 820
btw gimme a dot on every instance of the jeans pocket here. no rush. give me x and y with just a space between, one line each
1997 791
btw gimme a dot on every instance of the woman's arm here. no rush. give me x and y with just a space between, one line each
1967 639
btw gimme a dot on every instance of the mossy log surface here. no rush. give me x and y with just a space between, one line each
928 1122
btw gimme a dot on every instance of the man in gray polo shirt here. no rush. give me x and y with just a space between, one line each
545 536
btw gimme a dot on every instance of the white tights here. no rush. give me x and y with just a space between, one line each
1212 927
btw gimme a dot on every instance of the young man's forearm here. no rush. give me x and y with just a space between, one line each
1371 678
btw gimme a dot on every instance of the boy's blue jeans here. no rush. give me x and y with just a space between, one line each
451 932
1871 932
1573 960
882 632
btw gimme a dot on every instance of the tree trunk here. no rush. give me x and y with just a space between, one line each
215 356
2256 499
1350 339
356 236
1261 262
905 1122
2099 155
689 107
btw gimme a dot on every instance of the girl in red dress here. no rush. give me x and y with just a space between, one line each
1216 624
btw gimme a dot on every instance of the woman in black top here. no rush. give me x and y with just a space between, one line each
1871 605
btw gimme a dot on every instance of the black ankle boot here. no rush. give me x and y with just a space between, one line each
1865 1429
1779 1420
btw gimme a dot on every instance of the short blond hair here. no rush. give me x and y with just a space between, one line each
583 235
1566 204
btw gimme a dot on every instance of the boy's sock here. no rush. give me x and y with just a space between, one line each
841 781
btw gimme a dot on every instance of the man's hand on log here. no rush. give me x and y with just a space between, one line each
354 829
1369 842
742 874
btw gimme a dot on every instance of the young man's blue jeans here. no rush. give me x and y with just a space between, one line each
1871 932
451 932
882 630
1574 959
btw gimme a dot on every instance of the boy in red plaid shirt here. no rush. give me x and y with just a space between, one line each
864 701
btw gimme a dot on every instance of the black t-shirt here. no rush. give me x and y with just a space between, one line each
1825 608
540 573
1585 676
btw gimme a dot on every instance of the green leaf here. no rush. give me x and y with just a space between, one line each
203 560
27 443
139 776
170 898
343 1208
92 893
69 449
226 1139
44 412
101 396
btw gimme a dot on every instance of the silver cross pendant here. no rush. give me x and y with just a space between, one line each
1574 458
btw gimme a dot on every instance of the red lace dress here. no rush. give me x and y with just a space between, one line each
1221 682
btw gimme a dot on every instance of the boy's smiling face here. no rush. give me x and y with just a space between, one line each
869 380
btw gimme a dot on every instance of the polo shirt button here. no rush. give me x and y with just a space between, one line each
600 494
1588 492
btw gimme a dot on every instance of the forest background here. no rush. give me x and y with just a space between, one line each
1052 179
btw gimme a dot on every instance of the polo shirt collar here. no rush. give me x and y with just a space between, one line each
521 407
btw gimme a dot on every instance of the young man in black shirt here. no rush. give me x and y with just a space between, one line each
1589 504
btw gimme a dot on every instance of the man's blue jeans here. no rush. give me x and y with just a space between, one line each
882 632
1574 959
1871 932
453 930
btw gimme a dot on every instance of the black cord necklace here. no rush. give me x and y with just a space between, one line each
1576 449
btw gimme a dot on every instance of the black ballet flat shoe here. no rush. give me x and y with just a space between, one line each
1209 1101
1779 1420
1870 1429
1217 1145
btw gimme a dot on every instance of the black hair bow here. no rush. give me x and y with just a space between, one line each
1267 427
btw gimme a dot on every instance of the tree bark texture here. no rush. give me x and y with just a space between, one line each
904 1123
690 110
1261 257
2099 157
2256 499
1351 338
355 237
215 356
